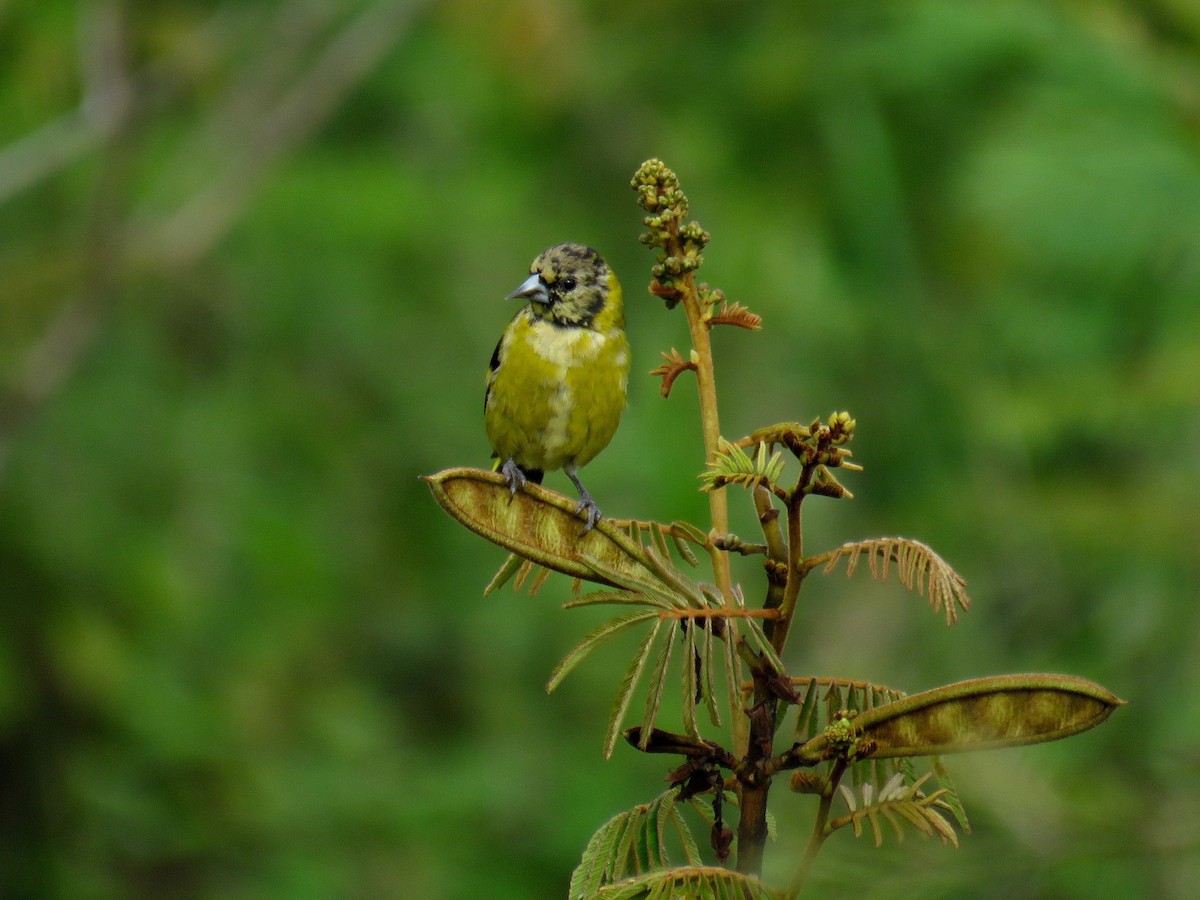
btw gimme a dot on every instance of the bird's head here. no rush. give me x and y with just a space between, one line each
571 285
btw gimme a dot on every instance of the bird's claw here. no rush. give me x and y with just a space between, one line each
587 508
513 476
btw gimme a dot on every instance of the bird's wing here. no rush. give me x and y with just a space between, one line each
491 376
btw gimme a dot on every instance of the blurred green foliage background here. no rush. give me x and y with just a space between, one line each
252 262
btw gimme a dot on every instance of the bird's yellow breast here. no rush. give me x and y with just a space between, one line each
557 393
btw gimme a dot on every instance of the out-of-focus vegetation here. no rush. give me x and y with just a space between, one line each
252 262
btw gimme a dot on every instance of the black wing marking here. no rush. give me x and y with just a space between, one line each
492 367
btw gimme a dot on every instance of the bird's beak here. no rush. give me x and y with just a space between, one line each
531 289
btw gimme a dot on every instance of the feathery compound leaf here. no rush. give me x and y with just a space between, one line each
690 851
589 875
733 663
628 685
672 367
733 466
675 580
631 843
734 313
659 538
950 798
693 664
660 814
918 568
690 881
625 859
708 684
593 639
684 550
512 563
806 714
649 585
898 802
616 598
758 639
658 681
649 533
539 579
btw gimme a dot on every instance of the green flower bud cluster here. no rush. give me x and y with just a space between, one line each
670 267
825 440
658 189
841 733
661 224
819 447
841 428
680 244
692 233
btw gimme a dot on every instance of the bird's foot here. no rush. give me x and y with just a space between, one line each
513 476
587 508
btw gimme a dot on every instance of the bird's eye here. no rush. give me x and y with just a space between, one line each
568 284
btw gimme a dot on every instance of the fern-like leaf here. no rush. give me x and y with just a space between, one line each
631 844
734 674
658 681
628 685
677 582
708 681
590 875
734 313
758 639
682 534
617 598
511 565
672 367
917 567
690 881
896 802
950 798
667 592
733 465
592 640
692 684
650 586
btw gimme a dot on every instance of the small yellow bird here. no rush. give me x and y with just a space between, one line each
557 383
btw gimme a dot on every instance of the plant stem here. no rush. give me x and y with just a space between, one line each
718 501
752 828
819 832
777 552
754 784
795 575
